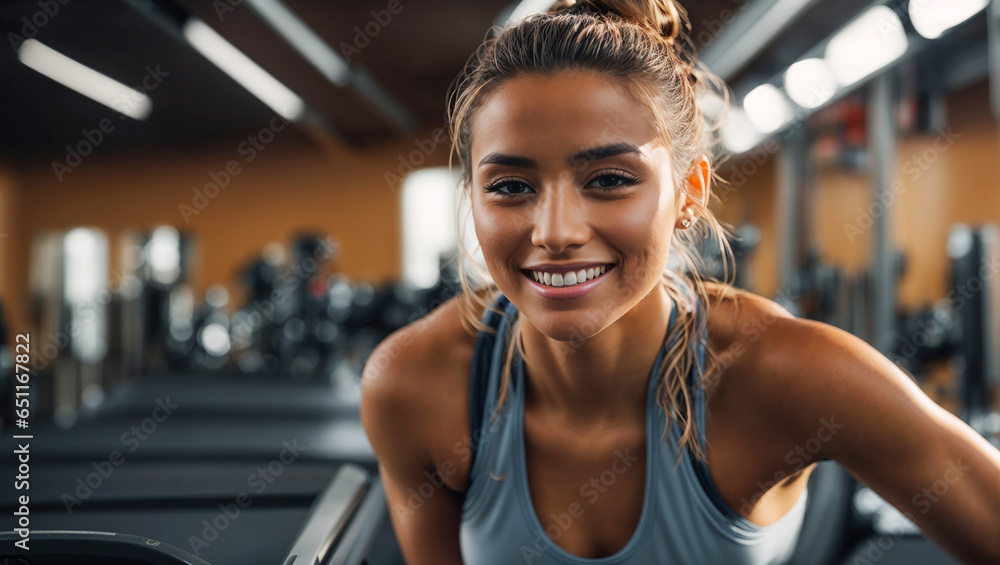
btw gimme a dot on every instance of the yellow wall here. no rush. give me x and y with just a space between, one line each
338 192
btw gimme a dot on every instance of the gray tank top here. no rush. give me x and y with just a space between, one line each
683 518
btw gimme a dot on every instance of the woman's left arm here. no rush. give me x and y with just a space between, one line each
872 419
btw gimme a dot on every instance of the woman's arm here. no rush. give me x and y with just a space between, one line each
926 462
426 527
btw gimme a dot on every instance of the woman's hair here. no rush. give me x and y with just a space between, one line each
643 44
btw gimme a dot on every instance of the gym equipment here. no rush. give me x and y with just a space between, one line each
94 548
68 317
335 526
961 327
745 240
974 295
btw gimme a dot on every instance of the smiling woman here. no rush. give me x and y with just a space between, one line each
592 405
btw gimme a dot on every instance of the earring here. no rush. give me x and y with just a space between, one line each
686 223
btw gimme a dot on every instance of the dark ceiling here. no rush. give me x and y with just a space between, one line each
413 59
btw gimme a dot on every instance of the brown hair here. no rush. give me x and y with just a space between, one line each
644 44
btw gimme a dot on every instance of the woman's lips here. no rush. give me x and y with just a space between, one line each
567 292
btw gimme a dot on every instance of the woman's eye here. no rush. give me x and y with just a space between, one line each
612 181
508 188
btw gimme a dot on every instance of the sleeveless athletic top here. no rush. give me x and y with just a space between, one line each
683 518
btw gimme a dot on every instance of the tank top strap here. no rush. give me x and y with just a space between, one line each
699 402
486 360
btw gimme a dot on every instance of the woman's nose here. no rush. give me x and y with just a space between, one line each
560 221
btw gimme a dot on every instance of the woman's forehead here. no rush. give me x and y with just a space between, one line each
567 112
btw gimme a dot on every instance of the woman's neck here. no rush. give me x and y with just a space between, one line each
604 378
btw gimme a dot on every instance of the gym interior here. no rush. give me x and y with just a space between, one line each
211 213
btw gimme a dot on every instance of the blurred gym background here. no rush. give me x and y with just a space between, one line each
211 212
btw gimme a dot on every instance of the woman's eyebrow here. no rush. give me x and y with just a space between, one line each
509 161
592 154
603 152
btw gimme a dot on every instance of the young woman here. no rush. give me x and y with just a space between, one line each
594 406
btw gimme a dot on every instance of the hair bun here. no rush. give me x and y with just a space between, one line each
666 17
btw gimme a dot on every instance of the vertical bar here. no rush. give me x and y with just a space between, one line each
882 151
993 40
790 174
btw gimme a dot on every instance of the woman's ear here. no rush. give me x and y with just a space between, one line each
699 181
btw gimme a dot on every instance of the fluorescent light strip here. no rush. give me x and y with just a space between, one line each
931 18
869 43
810 83
767 108
304 40
243 70
86 81
526 8
738 132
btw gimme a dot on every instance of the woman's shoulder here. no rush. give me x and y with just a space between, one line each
766 351
738 319
416 381
426 356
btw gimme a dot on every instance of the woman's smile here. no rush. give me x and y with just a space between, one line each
567 284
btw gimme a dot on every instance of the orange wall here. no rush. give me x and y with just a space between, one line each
943 184
341 193
750 197
10 250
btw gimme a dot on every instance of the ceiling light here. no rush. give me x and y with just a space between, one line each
243 70
738 132
931 18
303 39
810 83
526 8
767 108
85 80
869 43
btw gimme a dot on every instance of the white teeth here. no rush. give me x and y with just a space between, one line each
568 279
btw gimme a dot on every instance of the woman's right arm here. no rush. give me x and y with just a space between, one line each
397 417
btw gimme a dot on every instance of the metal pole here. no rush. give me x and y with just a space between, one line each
791 162
882 151
993 40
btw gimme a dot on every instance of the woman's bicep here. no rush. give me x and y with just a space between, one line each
888 434
425 516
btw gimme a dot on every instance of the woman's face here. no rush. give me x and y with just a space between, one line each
567 176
